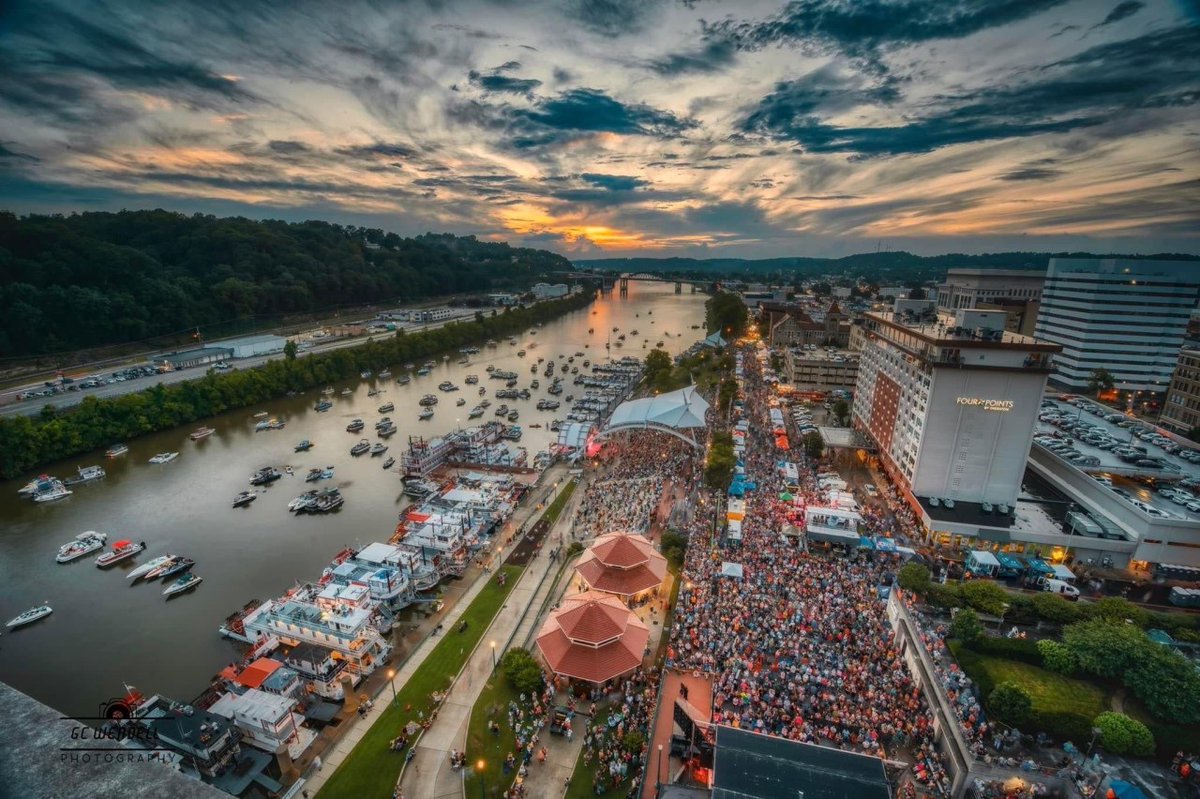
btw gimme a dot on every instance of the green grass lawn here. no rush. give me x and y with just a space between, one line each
483 745
556 507
1054 696
372 768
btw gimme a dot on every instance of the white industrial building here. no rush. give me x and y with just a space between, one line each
431 314
545 291
253 346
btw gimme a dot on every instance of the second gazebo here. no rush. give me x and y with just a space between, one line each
625 564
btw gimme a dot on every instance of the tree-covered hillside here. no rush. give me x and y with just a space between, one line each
90 279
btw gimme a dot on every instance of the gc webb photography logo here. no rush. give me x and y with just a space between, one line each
112 737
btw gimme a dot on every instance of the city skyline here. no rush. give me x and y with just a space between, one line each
601 129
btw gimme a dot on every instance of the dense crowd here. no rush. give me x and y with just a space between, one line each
631 476
617 743
799 646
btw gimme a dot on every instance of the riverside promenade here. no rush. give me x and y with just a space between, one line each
524 516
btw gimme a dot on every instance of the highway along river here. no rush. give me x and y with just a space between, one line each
105 632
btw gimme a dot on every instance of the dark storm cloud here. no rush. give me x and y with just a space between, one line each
288 147
860 29
1123 10
714 56
8 154
496 82
1032 173
614 182
1158 70
377 150
609 17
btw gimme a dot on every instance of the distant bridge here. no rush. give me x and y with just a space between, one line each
610 280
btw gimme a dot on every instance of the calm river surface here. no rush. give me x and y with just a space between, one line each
105 632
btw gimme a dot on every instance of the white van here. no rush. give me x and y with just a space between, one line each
1062 588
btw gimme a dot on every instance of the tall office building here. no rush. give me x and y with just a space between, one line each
951 401
1123 315
1017 292
1181 411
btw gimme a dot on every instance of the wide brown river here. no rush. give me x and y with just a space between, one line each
105 632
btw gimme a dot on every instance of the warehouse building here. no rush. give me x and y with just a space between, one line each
196 357
254 346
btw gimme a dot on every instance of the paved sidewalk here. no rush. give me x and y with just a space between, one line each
341 750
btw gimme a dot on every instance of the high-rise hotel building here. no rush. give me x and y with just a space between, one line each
1124 315
951 401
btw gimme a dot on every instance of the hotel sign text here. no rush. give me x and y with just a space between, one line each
986 404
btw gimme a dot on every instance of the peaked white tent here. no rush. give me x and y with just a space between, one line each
715 341
670 413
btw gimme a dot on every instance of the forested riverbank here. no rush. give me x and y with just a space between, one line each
30 442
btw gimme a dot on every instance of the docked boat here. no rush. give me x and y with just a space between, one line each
322 406
116 450
389 463
302 502
245 498
425 414
547 405
261 415
512 417
487 403
419 489
30 616
319 474
512 432
378 449
263 425
385 373
374 392
427 400
82 545
326 501
535 385
476 412
446 385
163 568
482 391
178 567
491 342
365 374
327 391
424 370
403 380
384 422
184 583
304 446
520 353
46 489
460 402
265 476
388 429
355 426
387 407
121 550
347 392
149 566
202 432
502 410
86 474
471 380
360 447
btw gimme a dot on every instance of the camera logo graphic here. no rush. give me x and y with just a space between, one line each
116 710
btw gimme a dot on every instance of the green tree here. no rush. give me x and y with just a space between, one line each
841 412
914 577
718 470
1104 648
289 350
657 360
985 596
674 546
1167 683
633 741
1010 702
1057 657
725 312
966 626
1122 735
1099 381
1117 609
814 445
1054 608
916 293
522 670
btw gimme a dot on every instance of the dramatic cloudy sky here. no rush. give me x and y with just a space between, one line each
615 127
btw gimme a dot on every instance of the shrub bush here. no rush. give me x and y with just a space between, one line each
1054 608
1167 683
1104 648
1062 726
1057 657
985 596
1020 649
1121 735
914 577
943 596
1010 703
522 670
966 626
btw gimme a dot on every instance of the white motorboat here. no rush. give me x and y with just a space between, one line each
244 498
121 550
54 491
185 582
149 566
30 616
164 457
116 450
83 544
201 432
86 474
425 414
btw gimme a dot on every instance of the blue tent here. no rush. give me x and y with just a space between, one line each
1039 566
885 544
1125 790
865 543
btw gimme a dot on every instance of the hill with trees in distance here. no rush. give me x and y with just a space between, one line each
85 280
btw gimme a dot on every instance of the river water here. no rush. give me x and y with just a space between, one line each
105 632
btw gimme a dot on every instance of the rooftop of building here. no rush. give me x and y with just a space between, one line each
748 765
974 271
34 764
942 329
199 352
814 353
1187 271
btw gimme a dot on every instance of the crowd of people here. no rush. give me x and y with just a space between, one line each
798 646
632 473
617 743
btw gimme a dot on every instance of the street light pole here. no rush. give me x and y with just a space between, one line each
392 680
493 655
479 767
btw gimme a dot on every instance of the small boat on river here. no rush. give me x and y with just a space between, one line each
86 474
116 450
121 550
30 616
82 545
184 583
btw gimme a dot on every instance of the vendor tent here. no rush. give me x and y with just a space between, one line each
732 570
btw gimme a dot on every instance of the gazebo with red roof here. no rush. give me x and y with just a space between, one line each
593 637
625 564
